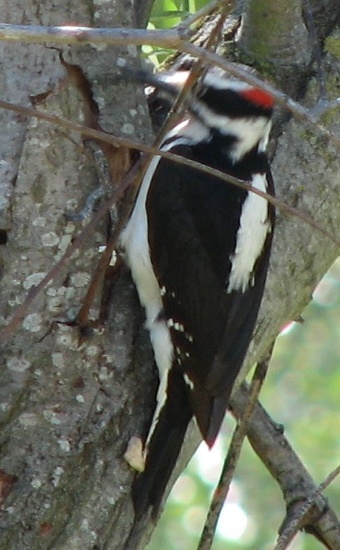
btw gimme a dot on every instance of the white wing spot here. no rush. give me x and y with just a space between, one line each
173 324
188 381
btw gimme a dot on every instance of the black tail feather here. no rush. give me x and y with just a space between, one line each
164 447
209 412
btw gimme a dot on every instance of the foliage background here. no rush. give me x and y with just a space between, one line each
301 393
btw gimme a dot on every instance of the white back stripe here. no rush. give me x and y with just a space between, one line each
251 235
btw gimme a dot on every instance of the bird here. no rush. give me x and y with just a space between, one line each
198 248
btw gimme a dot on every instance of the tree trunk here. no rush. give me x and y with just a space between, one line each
68 407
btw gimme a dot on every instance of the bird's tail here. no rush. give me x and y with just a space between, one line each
164 447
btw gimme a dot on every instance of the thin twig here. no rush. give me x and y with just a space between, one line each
100 136
113 140
300 519
175 38
194 74
87 35
133 185
232 457
97 279
300 112
215 35
124 142
199 14
78 243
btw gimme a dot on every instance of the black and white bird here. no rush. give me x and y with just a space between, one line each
198 249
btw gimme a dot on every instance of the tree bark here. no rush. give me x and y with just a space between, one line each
69 404
68 407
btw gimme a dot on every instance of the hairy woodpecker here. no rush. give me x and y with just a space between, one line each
198 249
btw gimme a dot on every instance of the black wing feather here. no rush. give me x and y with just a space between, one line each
195 220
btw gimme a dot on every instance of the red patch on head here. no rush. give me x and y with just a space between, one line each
261 98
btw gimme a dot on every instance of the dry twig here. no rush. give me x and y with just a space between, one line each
176 38
124 142
232 457
121 189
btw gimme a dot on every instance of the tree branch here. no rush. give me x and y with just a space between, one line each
34 34
176 39
297 486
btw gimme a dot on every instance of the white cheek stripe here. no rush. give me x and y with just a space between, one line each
252 233
248 132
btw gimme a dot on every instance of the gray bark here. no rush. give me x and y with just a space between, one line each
69 404
67 408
